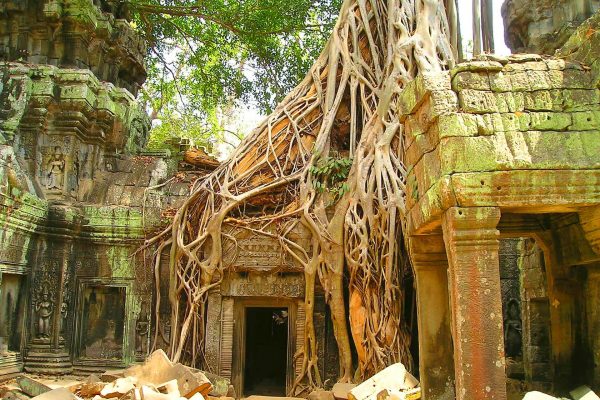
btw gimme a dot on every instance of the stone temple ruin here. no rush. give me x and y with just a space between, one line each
502 221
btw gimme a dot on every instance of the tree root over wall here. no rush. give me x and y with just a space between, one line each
347 104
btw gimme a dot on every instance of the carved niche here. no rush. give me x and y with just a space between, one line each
63 164
54 163
43 303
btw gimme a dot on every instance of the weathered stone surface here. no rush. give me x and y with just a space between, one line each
542 26
57 394
583 393
582 47
31 387
74 33
320 394
340 390
538 396
87 389
118 388
158 369
393 378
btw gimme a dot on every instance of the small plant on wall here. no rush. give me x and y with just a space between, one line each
330 175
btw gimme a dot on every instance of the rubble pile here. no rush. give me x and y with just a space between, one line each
580 393
157 379
392 383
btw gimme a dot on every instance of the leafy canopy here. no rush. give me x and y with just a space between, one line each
208 57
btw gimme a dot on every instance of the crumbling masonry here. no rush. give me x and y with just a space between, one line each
503 211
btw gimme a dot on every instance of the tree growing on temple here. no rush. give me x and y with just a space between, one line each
206 57
329 159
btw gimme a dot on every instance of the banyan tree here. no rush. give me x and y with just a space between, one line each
329 159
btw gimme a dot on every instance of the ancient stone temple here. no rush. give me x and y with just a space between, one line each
507 148
502 219
78 196
74 204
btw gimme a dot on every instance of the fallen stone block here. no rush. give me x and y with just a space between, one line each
31 387
87 389
118 388
321 394
57 394
159 369
410 394
14 395
538 396
169 387
148 393
112 375
340 390
393 378
584 393
93 378
256 397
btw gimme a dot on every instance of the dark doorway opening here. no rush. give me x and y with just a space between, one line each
266 351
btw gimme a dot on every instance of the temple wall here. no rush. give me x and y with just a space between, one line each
87 35
505 148
75 196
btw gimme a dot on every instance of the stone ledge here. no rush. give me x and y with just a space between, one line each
75 99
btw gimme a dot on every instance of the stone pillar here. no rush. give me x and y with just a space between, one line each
472 247
212 347
436 364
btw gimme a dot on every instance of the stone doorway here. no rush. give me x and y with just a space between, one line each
266 351
264 344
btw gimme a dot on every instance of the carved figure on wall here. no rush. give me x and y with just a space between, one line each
513 330
142 327
64 311
55 170
44 309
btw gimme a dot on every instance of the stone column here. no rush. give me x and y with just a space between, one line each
212 347
472 246
436 364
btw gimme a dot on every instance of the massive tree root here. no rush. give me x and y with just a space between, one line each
346 107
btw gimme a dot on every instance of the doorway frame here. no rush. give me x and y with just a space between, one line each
239 338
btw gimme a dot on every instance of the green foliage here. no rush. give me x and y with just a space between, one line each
213 55
330 175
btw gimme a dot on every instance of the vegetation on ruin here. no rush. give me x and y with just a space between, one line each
208 57
344 109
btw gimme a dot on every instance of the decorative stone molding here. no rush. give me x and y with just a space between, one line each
74 33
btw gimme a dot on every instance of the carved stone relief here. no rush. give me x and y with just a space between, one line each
142 332
241 285
54 170
44 303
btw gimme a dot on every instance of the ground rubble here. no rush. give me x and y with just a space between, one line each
160 379
579 393
393 383
156 379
